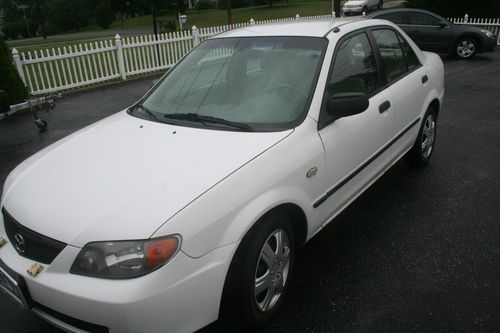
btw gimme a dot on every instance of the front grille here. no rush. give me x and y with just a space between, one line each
29 243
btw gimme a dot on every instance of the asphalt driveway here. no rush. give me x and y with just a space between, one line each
419 251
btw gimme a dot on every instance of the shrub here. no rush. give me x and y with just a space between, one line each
204 4
10 81
104 14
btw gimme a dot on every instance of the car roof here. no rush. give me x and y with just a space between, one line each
301 27
398 10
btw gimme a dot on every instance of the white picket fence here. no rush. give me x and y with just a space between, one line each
491 24
58 69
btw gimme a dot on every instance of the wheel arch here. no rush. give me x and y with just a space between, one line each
298 222
436 105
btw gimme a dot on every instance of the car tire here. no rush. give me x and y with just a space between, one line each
466 48
380 4
260 272
421 152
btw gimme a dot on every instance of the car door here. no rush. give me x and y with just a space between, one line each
354 145
429 32
406 81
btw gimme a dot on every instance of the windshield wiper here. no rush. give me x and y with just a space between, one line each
146 111
208 119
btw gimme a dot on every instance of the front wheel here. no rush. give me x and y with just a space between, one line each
466 48
423 148
260 272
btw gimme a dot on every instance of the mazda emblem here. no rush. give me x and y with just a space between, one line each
20 244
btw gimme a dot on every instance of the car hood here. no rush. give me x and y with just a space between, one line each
123 177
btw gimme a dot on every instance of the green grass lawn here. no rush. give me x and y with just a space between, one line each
200 18
216 17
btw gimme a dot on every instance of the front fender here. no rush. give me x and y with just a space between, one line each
226 212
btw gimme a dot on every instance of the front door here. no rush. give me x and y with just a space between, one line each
429 32
353 144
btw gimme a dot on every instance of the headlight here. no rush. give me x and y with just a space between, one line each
488 33
125 259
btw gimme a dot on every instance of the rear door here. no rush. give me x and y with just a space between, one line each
407 83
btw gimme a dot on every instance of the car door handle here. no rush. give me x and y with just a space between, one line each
384 106
425 78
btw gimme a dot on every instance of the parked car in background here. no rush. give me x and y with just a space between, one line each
434 33
360 6
191 204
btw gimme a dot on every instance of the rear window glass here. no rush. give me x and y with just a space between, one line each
397 18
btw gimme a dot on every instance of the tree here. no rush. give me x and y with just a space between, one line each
104 14
11 83
64 15
458 8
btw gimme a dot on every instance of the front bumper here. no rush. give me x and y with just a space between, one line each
352 10
182 296
489 44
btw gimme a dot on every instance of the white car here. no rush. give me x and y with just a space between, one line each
191 204
360 6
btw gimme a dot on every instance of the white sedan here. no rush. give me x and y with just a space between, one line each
190 205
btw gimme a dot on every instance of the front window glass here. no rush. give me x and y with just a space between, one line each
354 69
257 84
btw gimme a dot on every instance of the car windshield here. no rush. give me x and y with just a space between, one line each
248 84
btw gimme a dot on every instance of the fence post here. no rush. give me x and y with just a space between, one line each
466 18
196 35
119 51
19 65
334 15
252 21
297 17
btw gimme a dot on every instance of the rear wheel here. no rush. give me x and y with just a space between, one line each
423 148
466 48
259 275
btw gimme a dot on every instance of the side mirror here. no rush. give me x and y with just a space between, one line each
347 104
442 25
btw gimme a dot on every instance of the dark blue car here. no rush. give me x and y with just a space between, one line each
434 33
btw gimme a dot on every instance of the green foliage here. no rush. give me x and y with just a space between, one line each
11 83
65 15
458 8
104 14
204 4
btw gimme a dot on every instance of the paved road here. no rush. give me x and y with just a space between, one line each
419 251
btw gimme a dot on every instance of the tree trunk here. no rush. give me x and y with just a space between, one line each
229 13
41 19
336 7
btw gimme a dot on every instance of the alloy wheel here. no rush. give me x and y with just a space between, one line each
271 273
428 136
466 48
